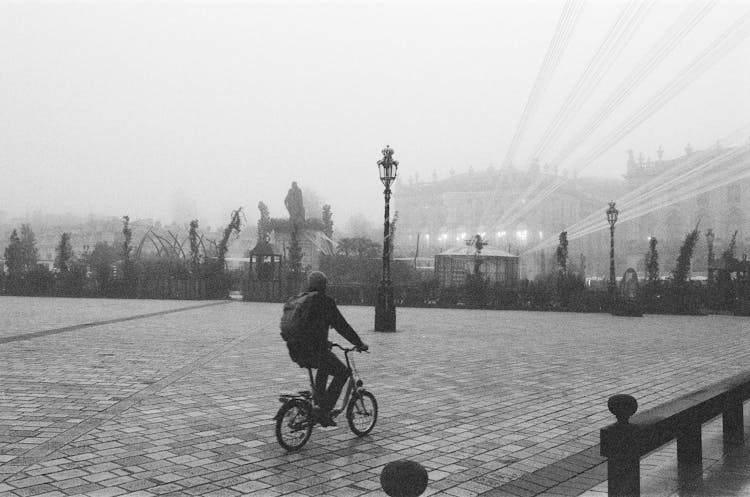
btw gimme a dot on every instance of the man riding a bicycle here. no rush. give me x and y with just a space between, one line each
312 350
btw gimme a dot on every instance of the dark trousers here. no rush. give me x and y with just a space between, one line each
329 365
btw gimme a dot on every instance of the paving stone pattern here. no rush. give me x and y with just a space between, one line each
490 402
19 315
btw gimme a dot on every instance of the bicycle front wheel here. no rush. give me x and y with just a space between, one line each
294 425
362 413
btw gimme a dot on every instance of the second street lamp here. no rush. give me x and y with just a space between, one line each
710 261
385 307
612 219
710 264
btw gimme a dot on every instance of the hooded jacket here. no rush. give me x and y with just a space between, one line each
324 314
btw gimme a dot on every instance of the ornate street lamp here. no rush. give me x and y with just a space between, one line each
385 307
612 219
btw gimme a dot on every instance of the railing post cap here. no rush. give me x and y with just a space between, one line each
622 406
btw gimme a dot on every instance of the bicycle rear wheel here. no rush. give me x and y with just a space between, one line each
362 413
294 425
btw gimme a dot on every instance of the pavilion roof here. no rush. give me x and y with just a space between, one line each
731 265
263 248
487 251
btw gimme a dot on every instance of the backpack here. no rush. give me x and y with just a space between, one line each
294 320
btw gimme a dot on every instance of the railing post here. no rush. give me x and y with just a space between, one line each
733 421
620 445
624 477
689 447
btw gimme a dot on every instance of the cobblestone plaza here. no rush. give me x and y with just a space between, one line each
106 398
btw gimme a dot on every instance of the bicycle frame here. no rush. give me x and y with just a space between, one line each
353 383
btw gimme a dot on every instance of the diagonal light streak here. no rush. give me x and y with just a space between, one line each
658 52
736 33
563 32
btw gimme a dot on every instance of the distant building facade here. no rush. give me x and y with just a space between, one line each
440 215
723 208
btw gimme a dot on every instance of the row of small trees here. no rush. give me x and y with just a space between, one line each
25 276
679 293
564 287
111 270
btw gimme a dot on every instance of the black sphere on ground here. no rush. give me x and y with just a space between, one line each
403 479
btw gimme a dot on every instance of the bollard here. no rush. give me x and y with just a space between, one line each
403 478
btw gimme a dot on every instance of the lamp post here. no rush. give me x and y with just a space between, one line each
612 219
710 243
385 308
710 282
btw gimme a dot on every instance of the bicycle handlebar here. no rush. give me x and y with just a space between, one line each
345 349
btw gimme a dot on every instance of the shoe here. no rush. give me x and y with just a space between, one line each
327 421
323 417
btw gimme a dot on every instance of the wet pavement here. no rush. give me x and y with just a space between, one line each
176 398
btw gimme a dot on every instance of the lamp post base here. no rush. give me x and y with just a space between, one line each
385 308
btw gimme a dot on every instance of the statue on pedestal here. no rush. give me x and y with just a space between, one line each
294 204
629 302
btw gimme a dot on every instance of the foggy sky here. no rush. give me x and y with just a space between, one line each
162 109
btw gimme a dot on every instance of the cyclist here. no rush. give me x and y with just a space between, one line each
312 349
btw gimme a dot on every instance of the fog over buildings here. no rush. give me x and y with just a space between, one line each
170 111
